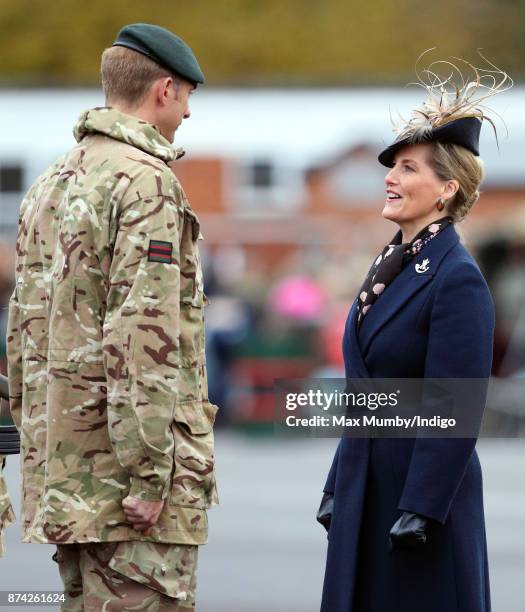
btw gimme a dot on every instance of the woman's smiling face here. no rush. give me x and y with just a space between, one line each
412 186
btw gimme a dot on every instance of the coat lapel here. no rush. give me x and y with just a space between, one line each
416 275
354 363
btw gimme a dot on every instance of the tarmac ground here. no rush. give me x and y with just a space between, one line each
266 552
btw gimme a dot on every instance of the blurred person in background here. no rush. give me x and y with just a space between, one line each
6 286
106 344
405 517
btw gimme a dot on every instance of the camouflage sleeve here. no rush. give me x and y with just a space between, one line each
14 360
141 335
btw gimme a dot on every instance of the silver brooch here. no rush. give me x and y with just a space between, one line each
423 266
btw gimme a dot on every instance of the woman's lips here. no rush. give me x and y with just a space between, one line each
393 197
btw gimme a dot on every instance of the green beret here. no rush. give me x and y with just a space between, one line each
163 47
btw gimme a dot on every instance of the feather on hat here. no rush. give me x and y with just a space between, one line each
454 109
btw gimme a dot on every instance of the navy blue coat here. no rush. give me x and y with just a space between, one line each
437 324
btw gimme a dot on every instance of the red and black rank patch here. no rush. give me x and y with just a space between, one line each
160 251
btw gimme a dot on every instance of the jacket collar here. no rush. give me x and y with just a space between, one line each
131 130
409 281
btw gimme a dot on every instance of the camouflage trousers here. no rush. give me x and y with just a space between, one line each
122 576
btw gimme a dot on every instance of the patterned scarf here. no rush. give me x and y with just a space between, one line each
393 258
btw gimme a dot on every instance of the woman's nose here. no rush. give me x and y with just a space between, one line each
390 176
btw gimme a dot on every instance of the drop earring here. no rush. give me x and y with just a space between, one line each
440 204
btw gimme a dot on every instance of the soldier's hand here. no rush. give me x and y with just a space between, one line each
142 514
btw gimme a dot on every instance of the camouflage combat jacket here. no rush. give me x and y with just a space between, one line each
106 342
7 515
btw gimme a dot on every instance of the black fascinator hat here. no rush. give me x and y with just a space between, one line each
464 132
453 112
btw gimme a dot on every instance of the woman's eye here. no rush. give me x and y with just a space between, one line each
409 168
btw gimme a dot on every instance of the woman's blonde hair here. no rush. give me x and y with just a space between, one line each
453 162
128 75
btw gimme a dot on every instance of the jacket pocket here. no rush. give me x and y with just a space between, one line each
191 279
193 478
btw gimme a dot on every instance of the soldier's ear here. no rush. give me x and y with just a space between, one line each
161 90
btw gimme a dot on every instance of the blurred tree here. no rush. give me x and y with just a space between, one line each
262 41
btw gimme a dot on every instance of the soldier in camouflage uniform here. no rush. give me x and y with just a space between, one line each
6 511
106 346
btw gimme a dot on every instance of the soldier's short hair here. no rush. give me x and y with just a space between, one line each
127 75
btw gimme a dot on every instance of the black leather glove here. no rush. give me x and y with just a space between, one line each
409 531
324 514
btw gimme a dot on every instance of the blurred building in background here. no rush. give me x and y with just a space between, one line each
289 193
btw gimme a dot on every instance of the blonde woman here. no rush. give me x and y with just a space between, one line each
405 516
